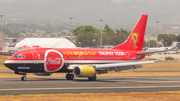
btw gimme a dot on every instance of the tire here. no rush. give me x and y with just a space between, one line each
71 77
23 78
67 76
92 78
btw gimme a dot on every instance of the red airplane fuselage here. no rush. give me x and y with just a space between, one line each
58 59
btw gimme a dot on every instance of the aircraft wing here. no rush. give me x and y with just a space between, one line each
102 66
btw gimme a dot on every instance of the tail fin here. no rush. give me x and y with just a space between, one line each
136 38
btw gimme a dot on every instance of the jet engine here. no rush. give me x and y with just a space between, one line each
42 74
84 71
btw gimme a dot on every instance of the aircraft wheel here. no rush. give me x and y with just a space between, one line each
69 76
24 78
92 78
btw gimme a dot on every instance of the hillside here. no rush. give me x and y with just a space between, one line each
89 12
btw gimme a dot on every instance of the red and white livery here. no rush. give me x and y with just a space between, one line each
82 62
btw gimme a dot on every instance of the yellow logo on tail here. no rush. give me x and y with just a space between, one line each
134 37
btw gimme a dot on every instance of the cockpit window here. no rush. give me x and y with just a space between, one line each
19 56
14 56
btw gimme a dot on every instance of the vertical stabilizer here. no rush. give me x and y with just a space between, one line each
136 38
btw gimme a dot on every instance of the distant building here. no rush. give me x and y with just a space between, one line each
46 43
28 43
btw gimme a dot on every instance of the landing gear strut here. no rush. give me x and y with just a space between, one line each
92 78
23 78
69 76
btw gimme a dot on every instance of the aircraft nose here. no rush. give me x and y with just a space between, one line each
6 63
9 64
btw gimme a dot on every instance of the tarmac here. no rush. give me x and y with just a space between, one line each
56 85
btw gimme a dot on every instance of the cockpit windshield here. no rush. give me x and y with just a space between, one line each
20 56
14 56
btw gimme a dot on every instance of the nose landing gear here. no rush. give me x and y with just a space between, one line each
23 78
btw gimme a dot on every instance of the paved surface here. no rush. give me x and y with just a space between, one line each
162 56
136 70
54 85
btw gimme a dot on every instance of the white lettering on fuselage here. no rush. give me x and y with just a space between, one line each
111 53
119 53
53 61
23 67
106 53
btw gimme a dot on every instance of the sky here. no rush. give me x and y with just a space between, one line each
116 1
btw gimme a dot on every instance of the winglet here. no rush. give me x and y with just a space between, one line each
136 38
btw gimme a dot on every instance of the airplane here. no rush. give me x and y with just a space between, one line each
82 62
159 49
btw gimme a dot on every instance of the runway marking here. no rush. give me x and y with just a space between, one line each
88 88
153 81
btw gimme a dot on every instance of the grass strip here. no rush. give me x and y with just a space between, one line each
133 96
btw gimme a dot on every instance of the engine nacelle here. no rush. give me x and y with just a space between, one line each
42 74
84 71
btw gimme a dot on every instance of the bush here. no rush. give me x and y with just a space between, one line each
169 58
6 53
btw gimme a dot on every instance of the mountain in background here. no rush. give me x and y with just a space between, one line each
89 12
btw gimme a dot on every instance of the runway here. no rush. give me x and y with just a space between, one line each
56 85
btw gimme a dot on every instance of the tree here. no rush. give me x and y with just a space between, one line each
122 36
87 36
109 36
6 31
153 43
145 44
167 39
88 39
15 34
122 31
178 38
85 29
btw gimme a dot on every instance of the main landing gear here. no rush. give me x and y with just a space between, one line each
69 76
24 78
92 78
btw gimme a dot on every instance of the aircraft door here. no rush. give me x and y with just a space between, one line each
80 57
35 57
127 55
